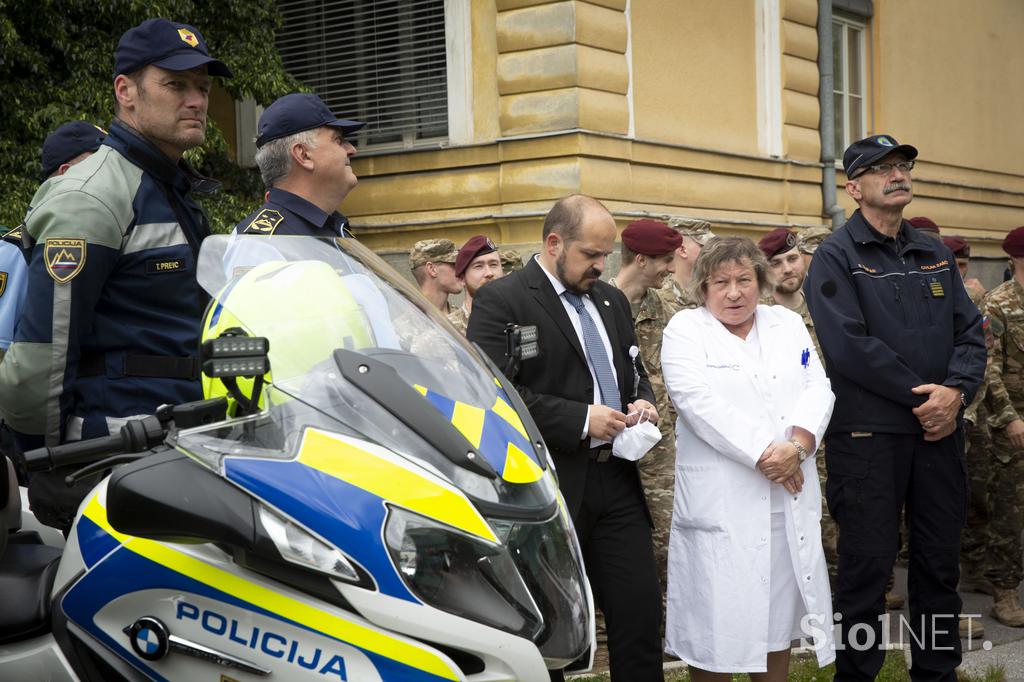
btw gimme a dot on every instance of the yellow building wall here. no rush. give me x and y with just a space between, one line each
694 73
653 107
946 78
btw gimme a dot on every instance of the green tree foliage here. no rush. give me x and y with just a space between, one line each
57 62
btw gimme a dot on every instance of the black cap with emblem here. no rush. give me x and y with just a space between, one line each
297 112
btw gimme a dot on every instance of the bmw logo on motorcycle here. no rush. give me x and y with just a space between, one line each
148 636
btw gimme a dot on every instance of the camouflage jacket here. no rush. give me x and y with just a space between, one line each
459 319
1004 375
674 298
650 317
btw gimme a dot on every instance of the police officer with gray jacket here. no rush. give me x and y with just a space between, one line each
110 330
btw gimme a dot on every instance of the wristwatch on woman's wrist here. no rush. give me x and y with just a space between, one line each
801 451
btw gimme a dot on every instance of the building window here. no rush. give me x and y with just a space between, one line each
849 60
379 61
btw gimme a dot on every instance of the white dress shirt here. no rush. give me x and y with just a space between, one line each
574 317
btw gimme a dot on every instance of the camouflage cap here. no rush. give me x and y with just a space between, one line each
510 260
432 251
809 238
696 229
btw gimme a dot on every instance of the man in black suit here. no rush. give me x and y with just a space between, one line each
584 388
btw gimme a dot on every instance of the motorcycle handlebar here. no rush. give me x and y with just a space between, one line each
135 436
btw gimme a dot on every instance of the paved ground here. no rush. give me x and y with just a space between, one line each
999 646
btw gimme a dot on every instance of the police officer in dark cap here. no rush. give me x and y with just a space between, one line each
904 350
304 155
63 148
112 326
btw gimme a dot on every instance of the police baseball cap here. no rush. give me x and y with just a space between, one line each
297 112
167 44
865 152
67 142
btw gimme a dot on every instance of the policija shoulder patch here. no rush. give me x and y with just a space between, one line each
64 258
265 223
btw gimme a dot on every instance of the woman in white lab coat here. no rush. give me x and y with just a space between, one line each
746 570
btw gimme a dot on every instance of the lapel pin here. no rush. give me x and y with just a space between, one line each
607 303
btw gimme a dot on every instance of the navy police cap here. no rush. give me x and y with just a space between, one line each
297 112
67 142
865 152
167 44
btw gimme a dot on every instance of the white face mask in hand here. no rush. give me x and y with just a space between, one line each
634 442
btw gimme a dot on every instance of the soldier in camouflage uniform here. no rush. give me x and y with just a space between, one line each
675 293
1004 307
432 262
477 263
648 252
510 260
976 538
787 270
808 239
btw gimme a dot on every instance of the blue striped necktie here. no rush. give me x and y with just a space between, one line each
599 360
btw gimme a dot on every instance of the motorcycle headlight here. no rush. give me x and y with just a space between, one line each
300 547
461 574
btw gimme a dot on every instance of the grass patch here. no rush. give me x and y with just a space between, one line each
805 669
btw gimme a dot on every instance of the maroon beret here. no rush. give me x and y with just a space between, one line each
651 237
1013 244
476 246
959 247
924 224
777 241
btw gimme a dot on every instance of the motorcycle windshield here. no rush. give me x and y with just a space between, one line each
331 309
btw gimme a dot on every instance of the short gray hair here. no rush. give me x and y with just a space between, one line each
275 159
721 250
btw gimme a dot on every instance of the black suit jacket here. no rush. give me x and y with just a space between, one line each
556 385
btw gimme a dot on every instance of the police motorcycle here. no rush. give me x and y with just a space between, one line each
362 495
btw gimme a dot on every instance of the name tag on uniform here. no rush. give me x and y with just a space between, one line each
159 267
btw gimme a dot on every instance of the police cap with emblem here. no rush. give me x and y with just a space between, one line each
167 44
777 241
68 142
297 112
432 251
869 150
475 247
651 238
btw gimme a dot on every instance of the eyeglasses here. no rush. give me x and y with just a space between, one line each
886 168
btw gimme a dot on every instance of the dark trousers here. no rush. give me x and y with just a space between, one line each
614 531
870 480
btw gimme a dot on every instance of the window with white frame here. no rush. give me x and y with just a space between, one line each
849 61
383 62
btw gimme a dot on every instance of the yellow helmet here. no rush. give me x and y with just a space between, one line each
303 308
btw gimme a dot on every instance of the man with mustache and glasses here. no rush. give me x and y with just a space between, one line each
584 389
904 349
110 327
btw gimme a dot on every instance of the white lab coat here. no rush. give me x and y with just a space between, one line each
730 409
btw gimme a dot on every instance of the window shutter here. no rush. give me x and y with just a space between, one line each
378 61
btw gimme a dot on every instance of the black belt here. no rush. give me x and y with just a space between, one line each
151 366
600 453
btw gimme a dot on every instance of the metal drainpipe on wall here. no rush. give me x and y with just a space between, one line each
826 70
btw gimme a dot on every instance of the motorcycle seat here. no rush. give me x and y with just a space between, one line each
26 580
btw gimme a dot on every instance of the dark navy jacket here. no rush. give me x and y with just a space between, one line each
891 314
110 327
285 213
